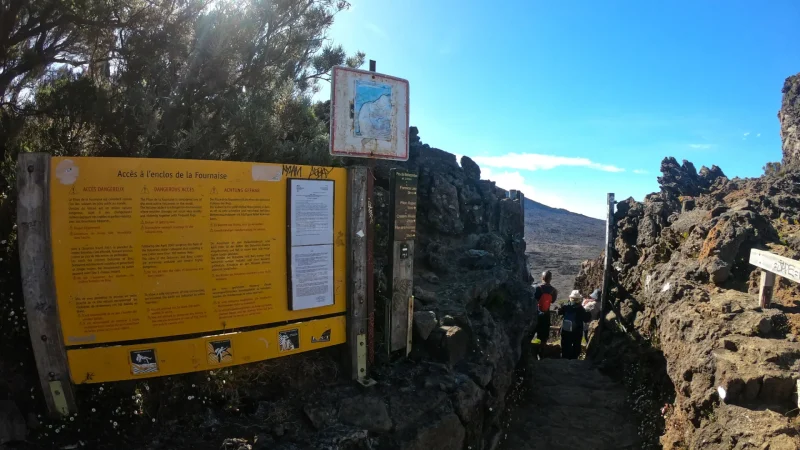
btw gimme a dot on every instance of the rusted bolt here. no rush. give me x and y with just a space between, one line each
44 338
30 168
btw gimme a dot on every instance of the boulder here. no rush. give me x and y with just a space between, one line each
321 416
789 117
365 412
471 169
444 213
12 423
424 323
449 343
444 433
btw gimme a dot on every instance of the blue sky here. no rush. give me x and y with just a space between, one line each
568 100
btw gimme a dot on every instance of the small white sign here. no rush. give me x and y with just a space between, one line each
312 276
311 208
779 265
369 115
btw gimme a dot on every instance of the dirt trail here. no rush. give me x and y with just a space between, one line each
570 405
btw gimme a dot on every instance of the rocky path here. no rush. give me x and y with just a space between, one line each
570 405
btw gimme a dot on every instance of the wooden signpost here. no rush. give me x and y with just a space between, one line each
403 231
369 119
36 264
358 319
771 265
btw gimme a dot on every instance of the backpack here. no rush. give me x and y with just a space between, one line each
570 318
545 300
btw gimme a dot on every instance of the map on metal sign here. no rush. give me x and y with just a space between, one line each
373 110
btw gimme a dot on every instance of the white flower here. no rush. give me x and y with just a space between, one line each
154 420
101 388
94 410
72 419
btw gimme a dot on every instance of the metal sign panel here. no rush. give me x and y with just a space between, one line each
369 115
405 206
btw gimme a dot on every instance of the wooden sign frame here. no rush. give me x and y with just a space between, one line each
60 366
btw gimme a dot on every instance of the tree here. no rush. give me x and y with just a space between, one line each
772 168
229 79
177 78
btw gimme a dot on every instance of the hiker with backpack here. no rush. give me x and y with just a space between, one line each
592 306
572 326
545 295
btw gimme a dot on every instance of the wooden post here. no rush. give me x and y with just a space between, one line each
608 261
357 317
403 230
410 330
370 261
765 288
36 264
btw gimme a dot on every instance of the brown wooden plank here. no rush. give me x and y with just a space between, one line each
765 288
402 288
36 264
357 316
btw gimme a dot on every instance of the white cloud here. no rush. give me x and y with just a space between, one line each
758 135
377 30
514 180
535 161
700 146
640 172
747 134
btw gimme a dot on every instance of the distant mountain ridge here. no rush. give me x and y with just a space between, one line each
536 206
559 240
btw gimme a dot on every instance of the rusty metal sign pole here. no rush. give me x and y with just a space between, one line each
608 260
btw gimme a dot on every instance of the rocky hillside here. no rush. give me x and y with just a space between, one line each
683 283
559 240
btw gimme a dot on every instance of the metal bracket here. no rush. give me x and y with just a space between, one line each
58 397
362 362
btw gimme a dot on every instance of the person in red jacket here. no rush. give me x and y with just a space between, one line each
545 295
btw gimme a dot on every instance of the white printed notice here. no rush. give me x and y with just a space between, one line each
312 276
311 209
311 235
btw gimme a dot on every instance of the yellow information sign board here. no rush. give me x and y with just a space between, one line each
147 248
120 362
